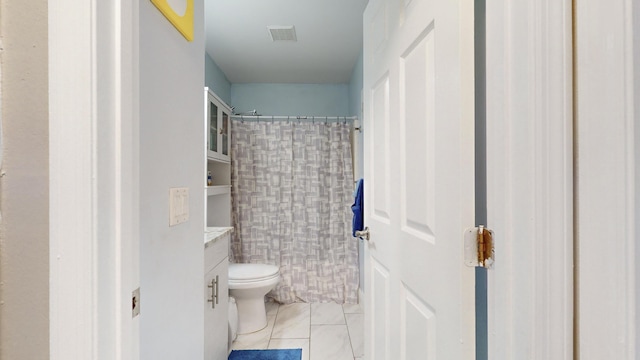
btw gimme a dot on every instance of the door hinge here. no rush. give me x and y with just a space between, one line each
479 247
135 302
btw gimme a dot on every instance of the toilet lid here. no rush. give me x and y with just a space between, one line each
251 271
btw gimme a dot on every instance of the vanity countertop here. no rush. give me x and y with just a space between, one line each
213 234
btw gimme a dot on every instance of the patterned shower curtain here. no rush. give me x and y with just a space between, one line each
292 187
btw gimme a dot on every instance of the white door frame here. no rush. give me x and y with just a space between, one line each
608 178
530 178
93 115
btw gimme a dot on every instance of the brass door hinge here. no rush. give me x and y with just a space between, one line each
479 247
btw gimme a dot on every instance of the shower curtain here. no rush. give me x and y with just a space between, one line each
292 187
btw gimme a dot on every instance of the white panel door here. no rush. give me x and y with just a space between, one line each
419 193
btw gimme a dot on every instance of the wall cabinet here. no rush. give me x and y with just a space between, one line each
218 194
218 124
217 157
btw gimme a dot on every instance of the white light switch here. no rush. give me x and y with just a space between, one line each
178 206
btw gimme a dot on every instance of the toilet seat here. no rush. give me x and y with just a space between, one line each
246 273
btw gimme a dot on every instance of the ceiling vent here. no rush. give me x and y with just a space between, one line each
282 33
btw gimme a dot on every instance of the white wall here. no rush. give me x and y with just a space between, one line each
24 185
171 142
636 100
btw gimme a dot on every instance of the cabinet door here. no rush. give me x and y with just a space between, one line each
216 312
224 135
218 128
212 118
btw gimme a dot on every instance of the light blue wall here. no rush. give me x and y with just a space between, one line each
292 99
355 109
355 89
171 143
482 335
216 80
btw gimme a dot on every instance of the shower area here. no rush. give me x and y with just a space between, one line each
292 188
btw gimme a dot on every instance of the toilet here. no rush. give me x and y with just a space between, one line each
248 284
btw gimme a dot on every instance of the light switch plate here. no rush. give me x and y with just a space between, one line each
178 206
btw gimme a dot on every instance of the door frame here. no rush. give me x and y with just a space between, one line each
556 144
94 145
530 178
607 112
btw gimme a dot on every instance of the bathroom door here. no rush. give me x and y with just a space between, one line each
419 194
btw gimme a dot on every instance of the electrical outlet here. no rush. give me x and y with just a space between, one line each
135 303
178 206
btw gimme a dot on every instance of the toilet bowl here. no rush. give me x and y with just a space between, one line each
248 284
233 321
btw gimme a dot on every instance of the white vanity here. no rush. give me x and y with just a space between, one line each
216 290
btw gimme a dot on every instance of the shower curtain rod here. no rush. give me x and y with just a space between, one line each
299 118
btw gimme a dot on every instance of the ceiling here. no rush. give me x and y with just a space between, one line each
329 34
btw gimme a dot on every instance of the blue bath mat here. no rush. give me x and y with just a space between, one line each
275 354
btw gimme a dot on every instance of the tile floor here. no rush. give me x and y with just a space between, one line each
323 331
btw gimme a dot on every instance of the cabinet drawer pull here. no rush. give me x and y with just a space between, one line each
217 292
214 292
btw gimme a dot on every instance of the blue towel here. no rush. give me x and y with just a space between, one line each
358 208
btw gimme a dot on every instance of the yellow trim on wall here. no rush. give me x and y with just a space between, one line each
183 23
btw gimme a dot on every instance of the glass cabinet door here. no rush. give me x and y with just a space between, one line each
213 127
224 131
217 128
